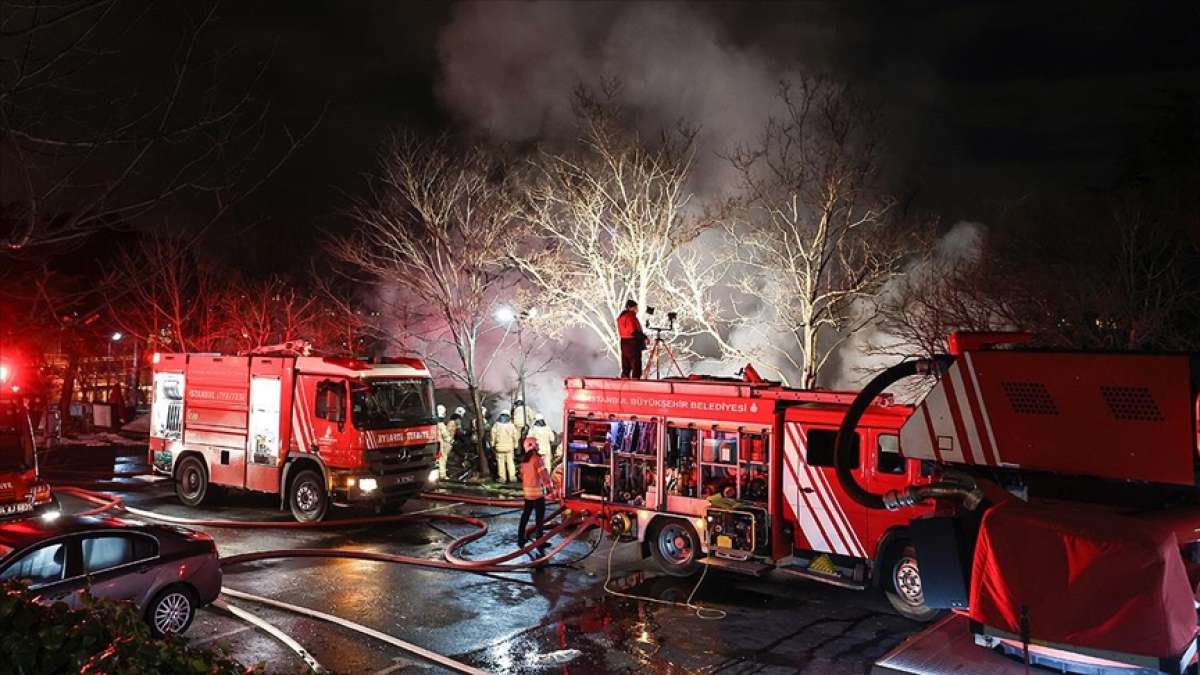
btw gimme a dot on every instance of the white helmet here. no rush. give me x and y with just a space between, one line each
539 416
460 411
441 410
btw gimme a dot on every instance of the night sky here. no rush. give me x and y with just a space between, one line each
985 101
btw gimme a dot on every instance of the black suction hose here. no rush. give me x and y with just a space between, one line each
844 449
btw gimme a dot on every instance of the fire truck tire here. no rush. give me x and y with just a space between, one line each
191 481
903 585
675 546
307 497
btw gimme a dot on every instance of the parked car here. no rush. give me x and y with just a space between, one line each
167 572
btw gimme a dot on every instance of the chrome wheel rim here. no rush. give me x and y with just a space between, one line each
171 614
306 497
675 543
907 579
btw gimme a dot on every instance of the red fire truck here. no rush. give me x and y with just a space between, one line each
1066 511
740 475
22 491
314 430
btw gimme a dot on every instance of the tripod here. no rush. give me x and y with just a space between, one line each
660 347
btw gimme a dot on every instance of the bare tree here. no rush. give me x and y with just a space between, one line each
95 133
607 217
258 313
436 224
168 295
810 250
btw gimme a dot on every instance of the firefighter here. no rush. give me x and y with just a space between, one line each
445 440
522 416
460 438
633 341
545 439
536 486
505 438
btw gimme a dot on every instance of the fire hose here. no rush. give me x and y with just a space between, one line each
955 484
452 560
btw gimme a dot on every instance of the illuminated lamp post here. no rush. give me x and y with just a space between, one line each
512 319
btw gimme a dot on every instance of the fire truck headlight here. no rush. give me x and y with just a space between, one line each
433 476
51 516
367 484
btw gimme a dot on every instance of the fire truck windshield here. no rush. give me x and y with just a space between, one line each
387 403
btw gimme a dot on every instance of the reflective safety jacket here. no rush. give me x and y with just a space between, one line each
505 437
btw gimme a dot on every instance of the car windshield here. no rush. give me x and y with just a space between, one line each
12 454
388 403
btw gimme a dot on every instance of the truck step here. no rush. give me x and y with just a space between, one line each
833 579
755 569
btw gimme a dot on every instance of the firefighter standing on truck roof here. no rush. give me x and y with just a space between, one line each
505 438
536 486
545 439
633 341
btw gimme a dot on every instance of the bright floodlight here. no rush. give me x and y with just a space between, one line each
117 336
504 314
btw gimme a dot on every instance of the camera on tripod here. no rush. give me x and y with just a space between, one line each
662 346
671 316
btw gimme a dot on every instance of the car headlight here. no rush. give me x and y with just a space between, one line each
367 484
433 476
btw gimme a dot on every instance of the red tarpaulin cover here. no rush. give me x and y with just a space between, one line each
1089 578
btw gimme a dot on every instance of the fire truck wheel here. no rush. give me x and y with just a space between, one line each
307 497
903 585
675 546
191 481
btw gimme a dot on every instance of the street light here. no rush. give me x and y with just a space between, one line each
512 319
504 314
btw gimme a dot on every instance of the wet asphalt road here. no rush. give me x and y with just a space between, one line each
558 619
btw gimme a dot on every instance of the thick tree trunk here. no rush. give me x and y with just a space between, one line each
480 443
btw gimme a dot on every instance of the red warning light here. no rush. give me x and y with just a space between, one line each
3 373
156 358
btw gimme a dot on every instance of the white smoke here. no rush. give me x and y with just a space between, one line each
859 356
509 70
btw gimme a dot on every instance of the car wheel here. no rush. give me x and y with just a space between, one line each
191 481
675 547
903 585
171 611
308 498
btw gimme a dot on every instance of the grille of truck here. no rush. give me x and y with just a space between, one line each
385 461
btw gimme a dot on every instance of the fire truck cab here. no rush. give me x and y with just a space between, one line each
22 491
741 476
317 431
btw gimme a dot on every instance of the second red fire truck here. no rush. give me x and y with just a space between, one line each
740 474
316 431
23 493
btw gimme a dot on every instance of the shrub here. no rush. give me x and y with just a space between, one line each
100 637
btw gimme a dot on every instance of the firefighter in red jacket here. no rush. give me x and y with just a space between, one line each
633 341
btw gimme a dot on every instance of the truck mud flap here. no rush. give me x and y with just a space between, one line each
944 551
